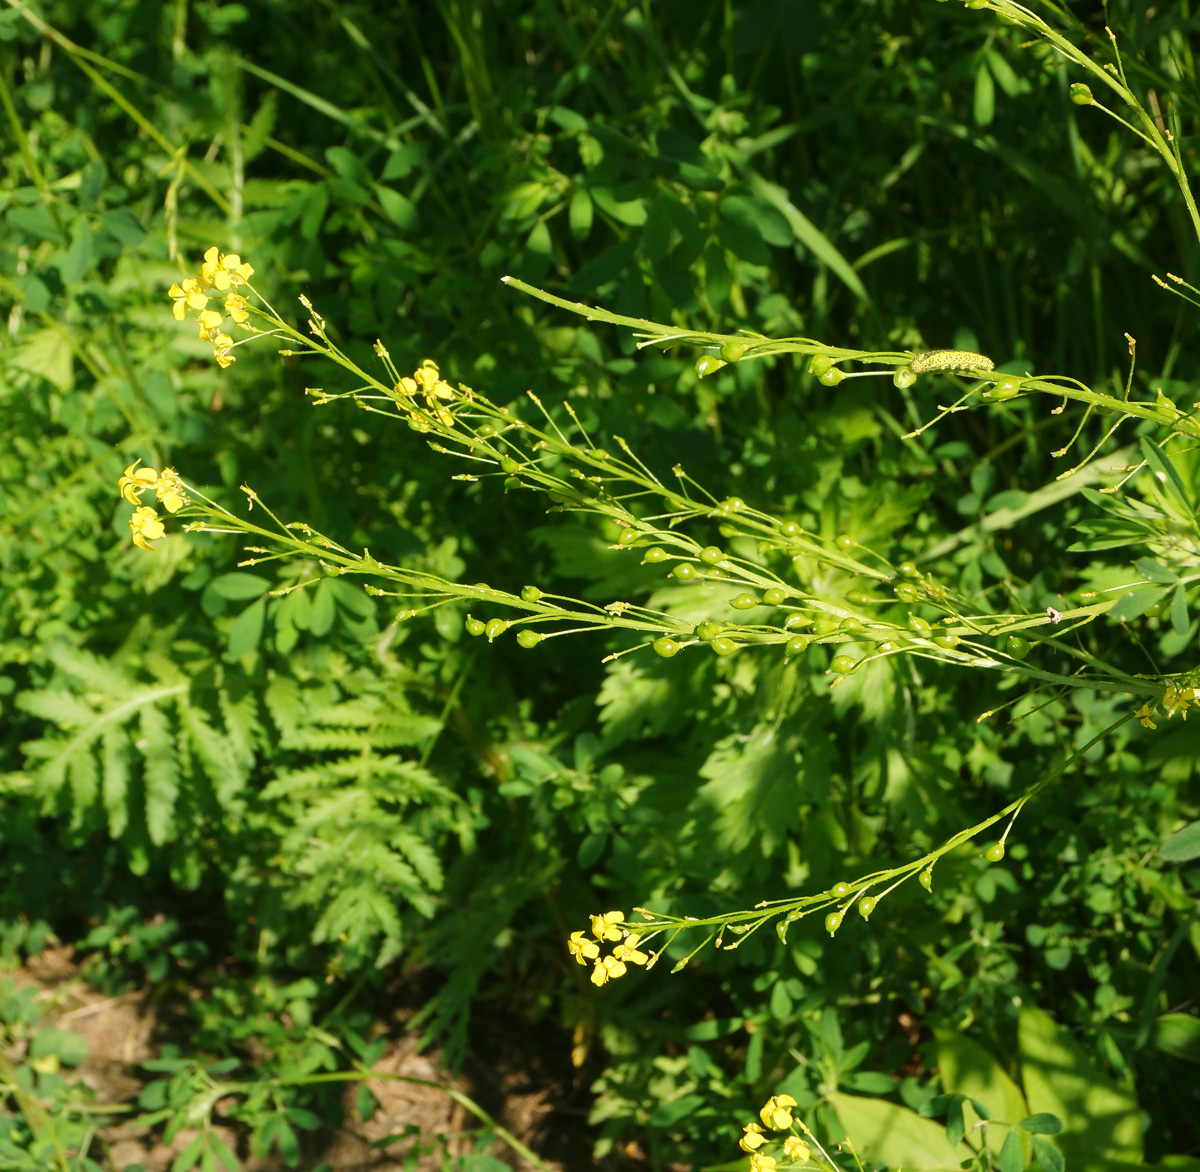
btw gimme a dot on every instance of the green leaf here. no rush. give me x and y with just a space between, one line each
1012 1154
398 208
888 1134
1048 1156
807 233
605 267
1179 611
966 1068
714 1027
1154 571
125 226
1177 1034
1183 845
78 258
668 1114
1165 471
247 629
984 106
1135 603
321 615
239 587
1100 1120
1041 1124
631 212
69 1048
869 1082
579 214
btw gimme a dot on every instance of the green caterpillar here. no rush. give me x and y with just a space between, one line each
957 361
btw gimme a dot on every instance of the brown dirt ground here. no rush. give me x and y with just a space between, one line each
527 1084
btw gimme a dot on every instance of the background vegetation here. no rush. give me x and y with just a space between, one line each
283 815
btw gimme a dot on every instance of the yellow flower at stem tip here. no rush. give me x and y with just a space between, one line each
1143 714
761 1163
582 949
752 1138
224 271
169 490
145 527
796 1149
628 950
605 927
135 481
776 1113
222 344
186 296
209 321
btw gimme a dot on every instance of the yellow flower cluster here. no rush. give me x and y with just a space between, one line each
145 525
607 928
427 379
1179 699
1143 714
776 1115
220 274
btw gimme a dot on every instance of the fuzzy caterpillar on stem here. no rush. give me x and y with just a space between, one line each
955 361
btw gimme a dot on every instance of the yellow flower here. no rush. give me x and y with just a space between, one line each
427 375
761 1163
1181 698
752 1138
599 973
775 1113
582 950
135 481
222 344
209 321
235 306
169 491
796 1149
1143 714
608 969
628 950
605 927
223 272
145 527
186 296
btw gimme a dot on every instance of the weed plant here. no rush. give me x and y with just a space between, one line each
787 603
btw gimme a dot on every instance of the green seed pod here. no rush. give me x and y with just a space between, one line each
511 482
733 504
733 351
908 570
665 647
906 592
598 454
1009 387
859 598
824 627
843 665
743 601
796 645
711 555
831 377
708 631
934 590
485 430
774 596
723 646
866 906
728 531
819 364
628 537
850 623
1081 94
994 853
833 922
495 628
530 593
904 377
654 555
840 890
474 626
791 529
508 464
795 620
947 641
919 625
1018 648
845 541
707 364
925 878
686 572
529 638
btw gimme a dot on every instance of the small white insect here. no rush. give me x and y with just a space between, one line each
1053 615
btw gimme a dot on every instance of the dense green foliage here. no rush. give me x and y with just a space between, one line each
269 808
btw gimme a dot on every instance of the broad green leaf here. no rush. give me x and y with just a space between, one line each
1179 610
1136 602
247 629
1177 1034
125 226
1100 1119
888 1134
966 1068
667 1114
580 213
984 107
1041 1124
631 212
1154 571
1012 1154
47 353
398 208
1183 845
1048 1156
238 587
714 1027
